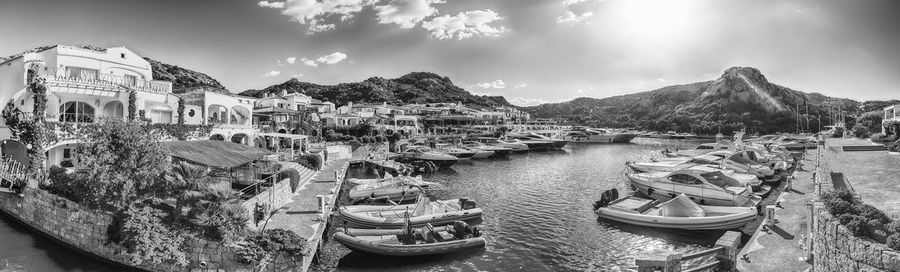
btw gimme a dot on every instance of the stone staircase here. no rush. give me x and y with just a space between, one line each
306 174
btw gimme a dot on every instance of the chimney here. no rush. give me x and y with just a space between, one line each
283 92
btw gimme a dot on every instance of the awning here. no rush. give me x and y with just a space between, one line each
242 112
85 90
215 153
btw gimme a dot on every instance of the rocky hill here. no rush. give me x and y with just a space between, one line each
182 79
741 97
416 87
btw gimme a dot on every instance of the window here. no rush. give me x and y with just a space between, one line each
76 112
122 55
130 80
704 147
67 153
191 112
684 179
81 73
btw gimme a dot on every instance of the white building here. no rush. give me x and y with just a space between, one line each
891 114
231 115
84 85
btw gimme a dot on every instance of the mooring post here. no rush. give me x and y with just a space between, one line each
730 243
659 263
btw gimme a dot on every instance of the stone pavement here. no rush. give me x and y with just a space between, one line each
302 213
873 174
781 247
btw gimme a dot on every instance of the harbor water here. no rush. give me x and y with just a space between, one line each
538 215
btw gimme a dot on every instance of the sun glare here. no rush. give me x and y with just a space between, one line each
652 21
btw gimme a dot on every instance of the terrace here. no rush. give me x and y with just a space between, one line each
85 81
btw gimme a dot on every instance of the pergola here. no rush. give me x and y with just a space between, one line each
284 136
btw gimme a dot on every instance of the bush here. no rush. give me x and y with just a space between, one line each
269 242
145 238
62 184
364 140
380 139
294 177
312 161
879 138
893 241
860 131
893 146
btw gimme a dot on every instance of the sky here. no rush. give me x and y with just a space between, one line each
529 51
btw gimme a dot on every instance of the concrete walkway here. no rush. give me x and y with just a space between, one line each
780 248
873 174
302 213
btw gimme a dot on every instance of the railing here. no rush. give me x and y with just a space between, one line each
725 253
12 170
110 80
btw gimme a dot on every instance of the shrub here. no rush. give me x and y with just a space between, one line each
879 138
269 242
62 184
379 139
860 131
894 146
856 224
294 177
893 241
312 161
872 213
364 140
145 238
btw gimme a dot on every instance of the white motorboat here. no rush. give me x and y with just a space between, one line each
395 189
515 147
423 212
497 151
700 185
423 153
526 136
596 135
677 213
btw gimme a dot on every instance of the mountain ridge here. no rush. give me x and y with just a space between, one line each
414 87
741 97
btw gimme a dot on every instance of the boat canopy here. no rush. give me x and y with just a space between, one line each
681 206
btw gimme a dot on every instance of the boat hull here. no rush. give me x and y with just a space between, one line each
365 220
385 249
739 217
604 138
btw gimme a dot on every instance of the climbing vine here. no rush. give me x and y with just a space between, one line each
132 105
181 111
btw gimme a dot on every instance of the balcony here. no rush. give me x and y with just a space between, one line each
108 80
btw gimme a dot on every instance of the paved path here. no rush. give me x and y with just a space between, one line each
302 213
874 174
780 249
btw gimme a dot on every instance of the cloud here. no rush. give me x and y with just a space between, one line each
661 80
480 93
406 13
309 62
521 101
571 18
296 75
319 15
523 85
332 58
580 91
496 84
291 60
272 73
465 25
267 4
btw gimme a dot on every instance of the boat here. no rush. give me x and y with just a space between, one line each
515 147
735 161
700 185
678 212
557 143
533 145
395 189
424 153
596 135
498 152
700 150
424 212
412 242
460 153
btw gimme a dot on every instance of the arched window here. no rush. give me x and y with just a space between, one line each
76 112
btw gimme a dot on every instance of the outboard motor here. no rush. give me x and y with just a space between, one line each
466 204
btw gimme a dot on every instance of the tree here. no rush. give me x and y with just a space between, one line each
870 121
181 111
123 162
132 105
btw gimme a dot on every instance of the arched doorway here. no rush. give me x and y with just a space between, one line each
240 138
114 109
217 137
76 112
218 114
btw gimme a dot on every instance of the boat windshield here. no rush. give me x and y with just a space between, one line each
739 159
720 179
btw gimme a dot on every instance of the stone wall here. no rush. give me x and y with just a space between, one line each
274 197
834 247
86 230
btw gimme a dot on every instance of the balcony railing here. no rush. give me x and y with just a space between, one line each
150 86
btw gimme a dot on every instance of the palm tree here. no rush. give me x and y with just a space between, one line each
218 213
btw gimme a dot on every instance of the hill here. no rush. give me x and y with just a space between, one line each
182 79
741 97
416 87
